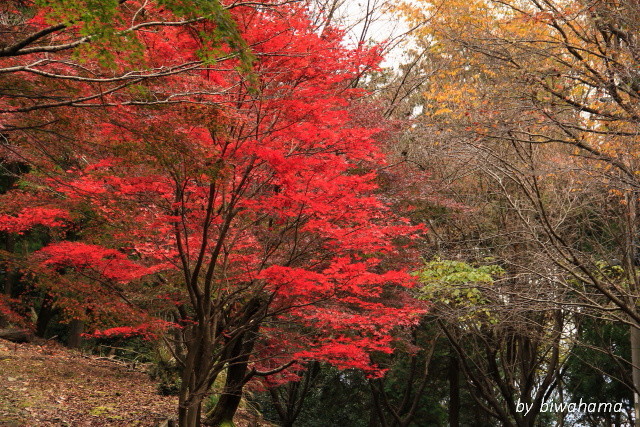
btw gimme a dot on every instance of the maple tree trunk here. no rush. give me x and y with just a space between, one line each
11 281
226 407
189 416
190 396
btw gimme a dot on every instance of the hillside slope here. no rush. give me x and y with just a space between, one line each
52 386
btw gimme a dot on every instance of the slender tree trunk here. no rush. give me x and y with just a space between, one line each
560 415
289 404
377 406
454 391
635 361
630 255
374 415
9 273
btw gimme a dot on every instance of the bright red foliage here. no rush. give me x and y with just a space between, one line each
29 217
107 263
255 198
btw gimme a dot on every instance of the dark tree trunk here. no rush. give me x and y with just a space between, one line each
46 313
377 417
16 335
189 416
226 407
76 328
454 391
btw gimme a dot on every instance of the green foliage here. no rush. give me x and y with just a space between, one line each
90 12
226 30
344 398
338 398
100 22
165 371
457 273
457 284
405 375
211 402
610 271
595 371
95 19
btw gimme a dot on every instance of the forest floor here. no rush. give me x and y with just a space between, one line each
49 385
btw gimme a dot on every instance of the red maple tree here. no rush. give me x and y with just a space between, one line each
241 206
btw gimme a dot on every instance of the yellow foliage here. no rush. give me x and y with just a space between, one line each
543 70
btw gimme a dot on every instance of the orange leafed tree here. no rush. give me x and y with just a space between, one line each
544 95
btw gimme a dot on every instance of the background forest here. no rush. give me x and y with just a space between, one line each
395 213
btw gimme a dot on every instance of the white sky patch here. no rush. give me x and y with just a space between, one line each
370 22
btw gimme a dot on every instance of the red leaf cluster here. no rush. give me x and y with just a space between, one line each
252 194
